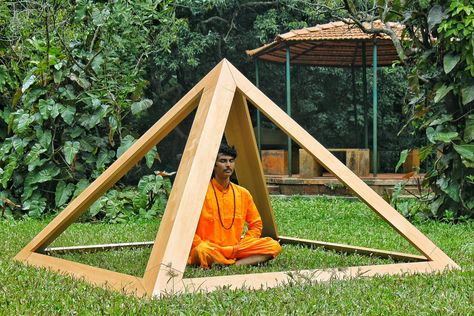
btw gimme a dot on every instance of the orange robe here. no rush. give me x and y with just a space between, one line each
217 243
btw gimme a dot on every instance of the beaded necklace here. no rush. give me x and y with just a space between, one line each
219 209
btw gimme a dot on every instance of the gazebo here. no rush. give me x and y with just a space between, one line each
335 44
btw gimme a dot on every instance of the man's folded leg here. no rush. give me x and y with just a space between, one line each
205 254
252 251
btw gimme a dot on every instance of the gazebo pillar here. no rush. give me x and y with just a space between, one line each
375 110
259 126
364 87
288 107
354 99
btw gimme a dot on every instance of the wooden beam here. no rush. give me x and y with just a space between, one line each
178 226
258 281
352 249
96 276
94 248
344 174
248 167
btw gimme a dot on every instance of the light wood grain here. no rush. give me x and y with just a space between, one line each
248 167
173 242
275 279
96 276
344 174
352 249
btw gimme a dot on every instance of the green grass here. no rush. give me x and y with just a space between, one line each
25 290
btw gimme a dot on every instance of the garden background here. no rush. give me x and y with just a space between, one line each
80 81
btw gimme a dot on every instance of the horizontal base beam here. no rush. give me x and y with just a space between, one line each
353 249
94 248
259 281
107 279
283 239
134 285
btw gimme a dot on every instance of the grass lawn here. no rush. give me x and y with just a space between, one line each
25 290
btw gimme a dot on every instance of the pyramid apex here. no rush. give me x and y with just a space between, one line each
225 61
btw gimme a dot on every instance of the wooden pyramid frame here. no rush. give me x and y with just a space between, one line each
221 101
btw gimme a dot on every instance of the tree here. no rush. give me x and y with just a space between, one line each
74 77
438 52
78 78
70 75
208 32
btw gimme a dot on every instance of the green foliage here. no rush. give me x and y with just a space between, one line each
77 81
403 158
79 78
147 200
415 206
70 75
439 58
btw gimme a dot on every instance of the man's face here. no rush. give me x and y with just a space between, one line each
224 166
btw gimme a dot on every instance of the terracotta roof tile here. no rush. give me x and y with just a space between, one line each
329 43
335 31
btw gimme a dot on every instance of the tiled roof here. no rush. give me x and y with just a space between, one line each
334 44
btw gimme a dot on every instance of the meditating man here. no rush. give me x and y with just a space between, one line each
227 208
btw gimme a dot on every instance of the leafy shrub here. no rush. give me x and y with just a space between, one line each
70 76
416 205
437 51
147 200
441 85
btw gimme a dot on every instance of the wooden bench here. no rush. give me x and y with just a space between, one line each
274 151
412 163
275 162
357 159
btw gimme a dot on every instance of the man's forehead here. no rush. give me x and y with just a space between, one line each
224 156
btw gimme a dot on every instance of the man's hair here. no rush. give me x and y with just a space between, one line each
227 150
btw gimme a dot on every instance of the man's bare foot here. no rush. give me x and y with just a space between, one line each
253 260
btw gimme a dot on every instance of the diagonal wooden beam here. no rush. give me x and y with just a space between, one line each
173 242
344 174
239 132
119 168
